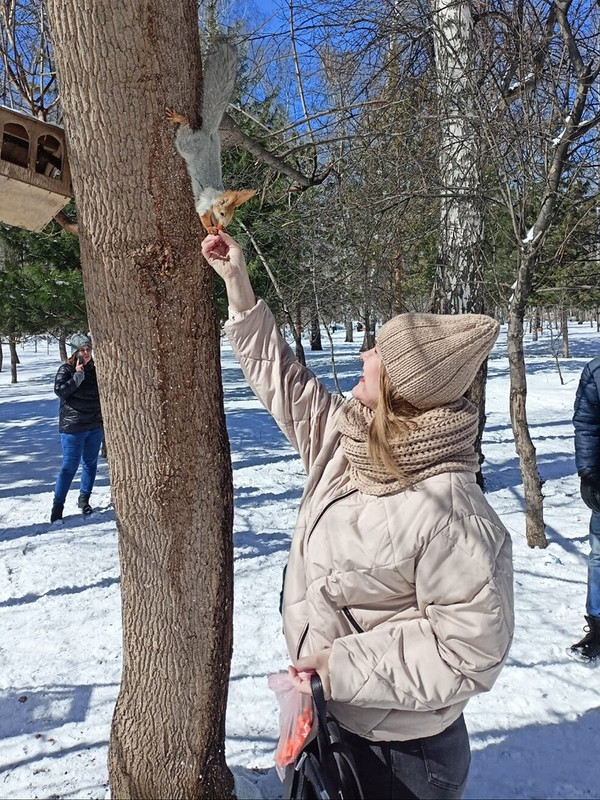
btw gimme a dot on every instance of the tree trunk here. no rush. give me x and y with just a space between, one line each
315 333
536 324
62 347
156 345
397 284
458 284
300 354
532 485
564 324
1 355
14 358
458 287
476 395
349 330
368 338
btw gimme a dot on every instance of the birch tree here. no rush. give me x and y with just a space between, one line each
458 285
149 297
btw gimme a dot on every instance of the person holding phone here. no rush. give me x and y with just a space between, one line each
79 423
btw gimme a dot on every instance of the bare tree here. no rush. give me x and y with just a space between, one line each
27 79
149 299
536 102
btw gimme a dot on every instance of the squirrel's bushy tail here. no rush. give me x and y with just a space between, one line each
218 81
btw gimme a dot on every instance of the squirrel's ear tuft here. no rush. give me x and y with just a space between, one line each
233 198
242 195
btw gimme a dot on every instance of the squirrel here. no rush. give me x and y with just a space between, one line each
201 149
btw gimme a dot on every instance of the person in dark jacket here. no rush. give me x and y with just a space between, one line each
586 420
79 423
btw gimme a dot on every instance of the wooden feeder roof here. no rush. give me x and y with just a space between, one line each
35 180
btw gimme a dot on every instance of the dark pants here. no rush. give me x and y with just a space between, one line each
433 768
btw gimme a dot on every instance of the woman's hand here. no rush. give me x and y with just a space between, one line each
224 255
226 258
306 667
301 679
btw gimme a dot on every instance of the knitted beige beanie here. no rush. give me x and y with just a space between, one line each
432 359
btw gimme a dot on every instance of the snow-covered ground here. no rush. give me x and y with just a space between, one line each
534 736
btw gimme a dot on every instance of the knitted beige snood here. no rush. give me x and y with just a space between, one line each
431 359
440 440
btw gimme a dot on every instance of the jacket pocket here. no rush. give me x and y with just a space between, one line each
447 756
347 613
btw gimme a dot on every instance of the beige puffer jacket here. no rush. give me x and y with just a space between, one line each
412 591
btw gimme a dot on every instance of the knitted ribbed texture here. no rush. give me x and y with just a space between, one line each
432 359
440 440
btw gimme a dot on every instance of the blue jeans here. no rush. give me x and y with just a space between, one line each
78 447
592 605
434 767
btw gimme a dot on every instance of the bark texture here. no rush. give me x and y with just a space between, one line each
532 484
458 287
149 299
14 358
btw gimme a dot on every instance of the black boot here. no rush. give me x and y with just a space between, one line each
588 649
56 513
84 504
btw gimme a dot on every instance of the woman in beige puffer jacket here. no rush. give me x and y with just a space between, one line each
398 589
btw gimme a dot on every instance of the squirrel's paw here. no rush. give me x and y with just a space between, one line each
176 119
208 223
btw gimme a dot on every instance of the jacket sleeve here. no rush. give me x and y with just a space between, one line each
301 406
586 419
459 645
66 382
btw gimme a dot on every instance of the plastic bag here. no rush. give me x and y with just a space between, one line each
296 715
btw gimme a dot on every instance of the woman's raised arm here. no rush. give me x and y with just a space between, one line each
226 258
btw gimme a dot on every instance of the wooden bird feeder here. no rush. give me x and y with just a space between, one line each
35 180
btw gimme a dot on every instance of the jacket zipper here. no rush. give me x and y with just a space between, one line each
326 508
351 620
310 533
301 642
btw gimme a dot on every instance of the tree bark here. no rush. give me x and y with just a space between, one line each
476 395
14 358
564 326
458 287
300 354
532 485
536 324
315 332
149 300
458 283
62 347
368 342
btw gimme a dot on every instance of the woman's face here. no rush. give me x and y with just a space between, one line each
366 390
85 353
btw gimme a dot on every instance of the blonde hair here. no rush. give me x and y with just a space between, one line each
391 422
